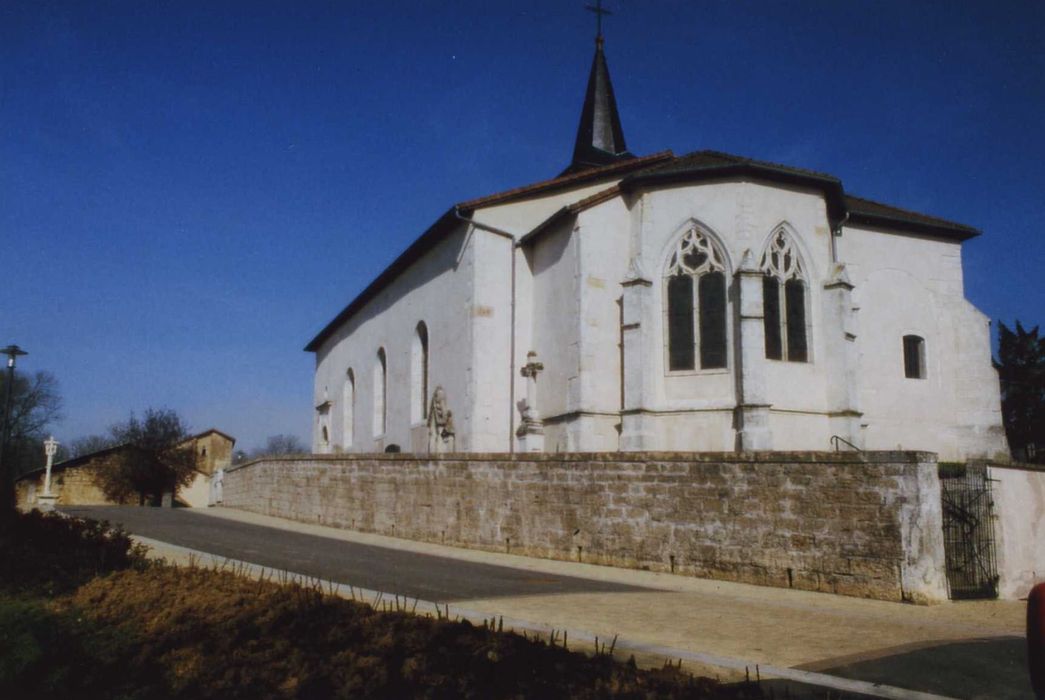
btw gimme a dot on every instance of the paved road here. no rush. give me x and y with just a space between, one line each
423 576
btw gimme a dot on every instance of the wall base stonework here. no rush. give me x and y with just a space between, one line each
863 524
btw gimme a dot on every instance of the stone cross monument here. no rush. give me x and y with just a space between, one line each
531 430
46 500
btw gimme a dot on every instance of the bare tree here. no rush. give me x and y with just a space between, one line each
280 445
35 405
87 445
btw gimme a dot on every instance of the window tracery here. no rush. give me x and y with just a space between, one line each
784 299
695 254
695 301
781 260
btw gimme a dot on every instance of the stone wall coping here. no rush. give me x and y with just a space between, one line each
799 457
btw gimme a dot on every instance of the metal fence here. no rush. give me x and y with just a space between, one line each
968 531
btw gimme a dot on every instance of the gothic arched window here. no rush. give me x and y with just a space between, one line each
349 409
695 299
784 300
419 374
380 397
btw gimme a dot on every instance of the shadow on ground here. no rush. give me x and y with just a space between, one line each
994 669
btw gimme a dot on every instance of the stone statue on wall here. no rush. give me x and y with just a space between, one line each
217 484
441 436
531 429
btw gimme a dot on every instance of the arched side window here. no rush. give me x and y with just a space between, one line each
380 395
695 302
914 357
784 300
349 407
419 374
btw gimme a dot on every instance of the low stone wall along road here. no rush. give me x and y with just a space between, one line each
423 576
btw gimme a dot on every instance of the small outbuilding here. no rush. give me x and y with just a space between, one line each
75 483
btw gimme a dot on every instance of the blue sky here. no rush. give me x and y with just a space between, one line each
190 190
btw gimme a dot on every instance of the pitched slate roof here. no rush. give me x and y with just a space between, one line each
561 182
659 169
866 211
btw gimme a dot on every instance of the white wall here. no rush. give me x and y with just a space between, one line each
437 290
568 288
694 410
556 308
913 285
1019 505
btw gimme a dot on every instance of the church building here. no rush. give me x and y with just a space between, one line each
697 302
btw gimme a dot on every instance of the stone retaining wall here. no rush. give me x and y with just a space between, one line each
864 524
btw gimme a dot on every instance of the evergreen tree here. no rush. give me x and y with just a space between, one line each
1021 368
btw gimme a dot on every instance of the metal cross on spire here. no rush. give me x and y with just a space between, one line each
599 12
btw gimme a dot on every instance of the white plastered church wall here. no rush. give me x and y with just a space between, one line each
555 312
568 291
912 285
693 410
492 342
436 289
601 236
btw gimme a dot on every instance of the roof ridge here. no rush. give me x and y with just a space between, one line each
535 187
760 161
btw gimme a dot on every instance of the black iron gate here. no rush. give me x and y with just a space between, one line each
968 531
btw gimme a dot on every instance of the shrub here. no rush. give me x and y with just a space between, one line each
45 653
49 554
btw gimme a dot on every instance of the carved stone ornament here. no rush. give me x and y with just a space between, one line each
441 434
781 259
695 255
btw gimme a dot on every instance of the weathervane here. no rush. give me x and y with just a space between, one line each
599 12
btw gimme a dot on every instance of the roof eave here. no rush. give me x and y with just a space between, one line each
420 246
956 232
832 187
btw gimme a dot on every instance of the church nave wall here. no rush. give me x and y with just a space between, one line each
435 290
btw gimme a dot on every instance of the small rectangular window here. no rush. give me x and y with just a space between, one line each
914 357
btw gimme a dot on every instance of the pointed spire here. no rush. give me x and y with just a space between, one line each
600 138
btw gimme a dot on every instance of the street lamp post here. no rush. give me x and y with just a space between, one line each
7 503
